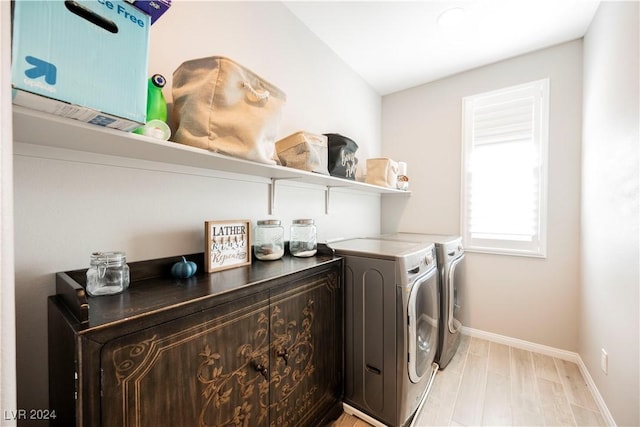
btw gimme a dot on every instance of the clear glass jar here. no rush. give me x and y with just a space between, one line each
302 242
108 273
268 244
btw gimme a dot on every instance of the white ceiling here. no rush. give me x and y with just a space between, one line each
395 45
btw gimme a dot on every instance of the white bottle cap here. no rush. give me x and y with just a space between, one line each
157 129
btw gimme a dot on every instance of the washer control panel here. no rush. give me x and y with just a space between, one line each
417 263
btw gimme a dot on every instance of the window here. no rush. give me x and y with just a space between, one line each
504 182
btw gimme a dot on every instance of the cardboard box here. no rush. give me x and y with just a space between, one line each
153 8
86 55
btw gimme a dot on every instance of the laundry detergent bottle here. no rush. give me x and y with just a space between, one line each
156 125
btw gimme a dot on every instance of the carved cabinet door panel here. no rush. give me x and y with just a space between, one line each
206 369
305 350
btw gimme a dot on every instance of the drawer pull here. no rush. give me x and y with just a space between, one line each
263 370
284 353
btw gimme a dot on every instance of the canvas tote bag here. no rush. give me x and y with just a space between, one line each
222 106
382 172
304 150
343 162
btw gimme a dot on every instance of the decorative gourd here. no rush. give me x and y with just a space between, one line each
183 269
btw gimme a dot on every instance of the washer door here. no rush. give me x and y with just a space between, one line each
423 325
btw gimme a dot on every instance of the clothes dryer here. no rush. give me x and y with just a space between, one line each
391 327
450 255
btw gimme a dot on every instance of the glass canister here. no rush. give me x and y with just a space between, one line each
108 273
268 242
302 242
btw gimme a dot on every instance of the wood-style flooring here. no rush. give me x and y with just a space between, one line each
493 384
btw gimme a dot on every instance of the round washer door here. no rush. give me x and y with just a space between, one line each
423 325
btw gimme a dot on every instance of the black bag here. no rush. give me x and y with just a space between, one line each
342 156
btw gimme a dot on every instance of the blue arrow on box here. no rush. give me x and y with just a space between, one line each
41 68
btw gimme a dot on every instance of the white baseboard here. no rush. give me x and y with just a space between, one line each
608 418
522 344
552 352
359 414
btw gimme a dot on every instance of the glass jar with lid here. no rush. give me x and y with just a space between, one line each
303 241
268 244
108 273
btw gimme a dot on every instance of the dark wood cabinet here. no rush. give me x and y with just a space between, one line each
199 370
268 353
306 351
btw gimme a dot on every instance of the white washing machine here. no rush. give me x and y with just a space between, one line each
391 327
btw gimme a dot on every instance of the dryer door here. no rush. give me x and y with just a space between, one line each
423 310
454 282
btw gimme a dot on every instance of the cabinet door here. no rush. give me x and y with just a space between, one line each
306 350
206 369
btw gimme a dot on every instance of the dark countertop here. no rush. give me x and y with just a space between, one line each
152 289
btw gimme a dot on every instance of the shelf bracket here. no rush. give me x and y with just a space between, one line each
327 199
272 194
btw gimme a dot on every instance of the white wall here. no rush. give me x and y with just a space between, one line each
323 94
610 183
527 298
68 204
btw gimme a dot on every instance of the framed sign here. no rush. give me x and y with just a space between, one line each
227 244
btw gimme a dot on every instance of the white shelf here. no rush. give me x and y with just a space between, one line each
34 127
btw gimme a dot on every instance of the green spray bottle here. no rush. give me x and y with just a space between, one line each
156 125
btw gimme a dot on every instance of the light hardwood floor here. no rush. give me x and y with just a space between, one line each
492 384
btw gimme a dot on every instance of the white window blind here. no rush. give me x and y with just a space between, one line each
505 138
